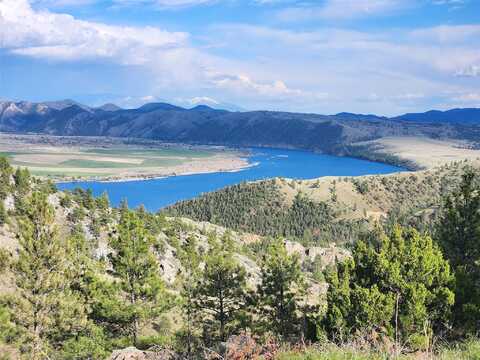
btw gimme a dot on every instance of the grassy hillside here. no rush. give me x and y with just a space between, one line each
331 209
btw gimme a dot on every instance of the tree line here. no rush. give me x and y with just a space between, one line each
261 208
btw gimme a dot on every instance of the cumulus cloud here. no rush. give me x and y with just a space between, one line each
406 69
311 70
276 89
203 100
44 34
168 56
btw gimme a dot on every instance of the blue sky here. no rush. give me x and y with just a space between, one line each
324 56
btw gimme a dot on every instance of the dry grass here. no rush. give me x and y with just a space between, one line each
469 350
427 153
373 196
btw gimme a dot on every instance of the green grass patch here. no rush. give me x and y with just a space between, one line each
188 153
10 154
94 164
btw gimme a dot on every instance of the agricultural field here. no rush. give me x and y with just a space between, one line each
65 158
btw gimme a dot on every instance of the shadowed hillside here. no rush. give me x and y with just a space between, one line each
331 134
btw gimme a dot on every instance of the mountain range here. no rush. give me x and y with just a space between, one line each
206 125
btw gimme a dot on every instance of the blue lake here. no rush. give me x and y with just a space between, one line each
158 193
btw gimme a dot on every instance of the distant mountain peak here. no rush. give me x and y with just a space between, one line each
159 106
109 107
457 116
63 104
203 108
353 116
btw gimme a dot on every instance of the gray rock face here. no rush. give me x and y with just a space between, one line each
132 353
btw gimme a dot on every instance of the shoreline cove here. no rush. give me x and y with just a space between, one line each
264 163
139 178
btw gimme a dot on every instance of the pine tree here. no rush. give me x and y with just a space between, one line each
22 181
220 295
44 308
280 292
86 273
459 235
190 260
103 206
136 269
6 172
397 284
103 202
3 213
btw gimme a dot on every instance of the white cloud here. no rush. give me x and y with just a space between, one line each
132 102
448 34
44 34
172 61
402 70
203 100
343 9
326 69
155 4
161 4
360 8
470 71
165 4
454 3
62 3
276 89
468 98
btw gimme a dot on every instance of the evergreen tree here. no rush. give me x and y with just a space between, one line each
103 206
220 295
7 329
44 309
459 235
83 266
190 260
22 181
137 272
398 285
6 172
280 291
103 202
3 213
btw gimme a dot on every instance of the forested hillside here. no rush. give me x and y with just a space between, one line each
326 210
82 280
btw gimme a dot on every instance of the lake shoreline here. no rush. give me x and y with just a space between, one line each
135 178
264 163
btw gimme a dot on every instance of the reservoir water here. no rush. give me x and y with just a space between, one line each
268 163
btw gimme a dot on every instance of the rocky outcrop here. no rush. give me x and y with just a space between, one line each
133 353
